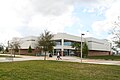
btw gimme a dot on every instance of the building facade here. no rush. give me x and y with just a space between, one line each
25 43
98 46
63 44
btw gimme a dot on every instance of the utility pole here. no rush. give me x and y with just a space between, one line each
81 46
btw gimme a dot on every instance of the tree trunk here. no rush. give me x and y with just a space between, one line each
14 54
45 56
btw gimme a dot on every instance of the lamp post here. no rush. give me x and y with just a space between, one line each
81 46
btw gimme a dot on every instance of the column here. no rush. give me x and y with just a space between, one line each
53 51
62 47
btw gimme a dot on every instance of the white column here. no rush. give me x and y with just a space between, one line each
62 47
53 51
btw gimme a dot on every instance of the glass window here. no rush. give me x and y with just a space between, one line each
58 42
67 43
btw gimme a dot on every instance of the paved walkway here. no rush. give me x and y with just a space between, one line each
92 61
66 58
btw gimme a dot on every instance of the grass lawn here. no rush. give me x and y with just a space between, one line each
57 70
110 57
8 56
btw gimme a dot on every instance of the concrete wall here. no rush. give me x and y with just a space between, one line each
28 41
98 44
67 37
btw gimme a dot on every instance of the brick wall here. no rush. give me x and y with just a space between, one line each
25 51
98 53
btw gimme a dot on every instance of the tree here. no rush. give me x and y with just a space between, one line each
15 46
85 49
29 49
117 43
1 48
116 32
114 49
77 47
7 50
45 42
37 51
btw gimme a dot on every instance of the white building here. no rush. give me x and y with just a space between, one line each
63 44
25 43
28 41
98 46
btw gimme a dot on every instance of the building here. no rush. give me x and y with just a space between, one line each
98 46
25 43
63 44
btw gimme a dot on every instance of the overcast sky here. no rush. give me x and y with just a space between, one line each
20 18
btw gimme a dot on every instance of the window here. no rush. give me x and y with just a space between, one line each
58 42
68 43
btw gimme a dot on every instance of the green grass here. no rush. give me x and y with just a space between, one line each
9 56
110 57
29 54
57 70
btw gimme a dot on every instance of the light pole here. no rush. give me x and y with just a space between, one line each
81 46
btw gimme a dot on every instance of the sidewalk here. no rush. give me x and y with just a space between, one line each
20 58
64 58
107 62
92 61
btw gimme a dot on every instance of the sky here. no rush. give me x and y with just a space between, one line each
21 18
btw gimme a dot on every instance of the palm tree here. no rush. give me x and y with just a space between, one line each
45 42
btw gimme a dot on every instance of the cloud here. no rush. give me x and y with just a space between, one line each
102 26
30 17
58 7
86 33
98 6
111 15
6 35
8 21
51 7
